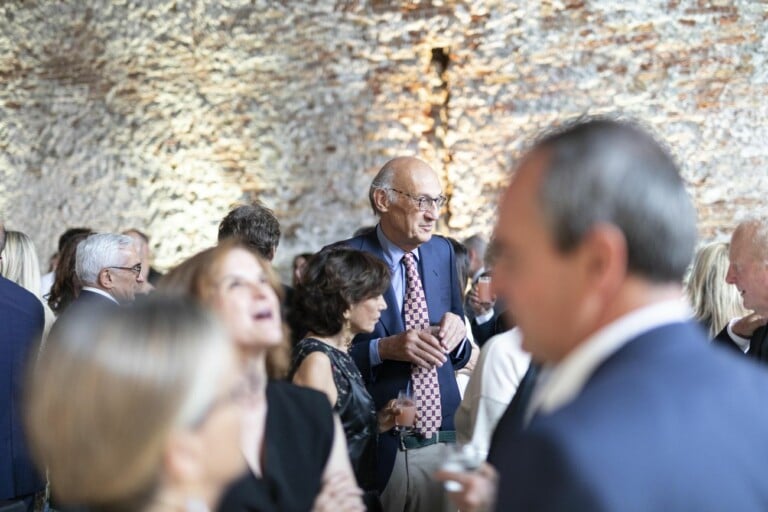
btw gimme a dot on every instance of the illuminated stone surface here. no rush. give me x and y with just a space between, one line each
163 114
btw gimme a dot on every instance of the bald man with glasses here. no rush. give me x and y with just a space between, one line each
420 339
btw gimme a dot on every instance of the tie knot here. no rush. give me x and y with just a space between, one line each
409 260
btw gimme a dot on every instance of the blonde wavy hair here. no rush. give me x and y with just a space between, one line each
714 301
21 265
109 389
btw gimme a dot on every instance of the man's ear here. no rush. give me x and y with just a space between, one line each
606 257
381 199
105 279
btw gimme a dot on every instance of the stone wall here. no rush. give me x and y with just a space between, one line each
162 115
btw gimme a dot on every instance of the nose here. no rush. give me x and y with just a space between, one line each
432 212
730 277
381 303
259 288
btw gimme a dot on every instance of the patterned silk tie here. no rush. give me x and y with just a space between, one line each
426 389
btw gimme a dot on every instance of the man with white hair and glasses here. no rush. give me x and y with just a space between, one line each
109 268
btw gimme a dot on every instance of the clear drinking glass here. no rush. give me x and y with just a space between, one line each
404 421
461 458
484 293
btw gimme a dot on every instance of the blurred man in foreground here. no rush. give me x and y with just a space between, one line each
633 409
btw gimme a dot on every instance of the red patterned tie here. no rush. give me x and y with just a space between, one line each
426 389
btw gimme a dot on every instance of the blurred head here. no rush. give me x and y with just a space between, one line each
595 222
20 263
110 262
66 285
462 263
242 289
126 404
407 196
341 286
254 225
748 268
714 301
299 263
476 246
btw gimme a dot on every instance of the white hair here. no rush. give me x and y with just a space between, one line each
100 251
755 229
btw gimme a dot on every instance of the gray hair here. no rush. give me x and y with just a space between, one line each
2 236
602 170
98 252
382 181
478 244
755 229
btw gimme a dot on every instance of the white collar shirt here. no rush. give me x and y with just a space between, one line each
100 292
559 384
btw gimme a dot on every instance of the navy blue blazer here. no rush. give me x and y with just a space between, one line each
758 347
437 267
669 422
21 325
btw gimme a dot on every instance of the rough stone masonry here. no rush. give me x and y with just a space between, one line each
162 115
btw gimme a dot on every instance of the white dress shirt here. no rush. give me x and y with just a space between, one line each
557 385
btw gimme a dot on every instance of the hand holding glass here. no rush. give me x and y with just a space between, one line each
405 420
461 458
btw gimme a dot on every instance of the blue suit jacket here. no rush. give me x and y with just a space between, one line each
667 423
437 267
21 324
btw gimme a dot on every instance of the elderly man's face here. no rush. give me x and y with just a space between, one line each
544 288
402 220
748 270
125 282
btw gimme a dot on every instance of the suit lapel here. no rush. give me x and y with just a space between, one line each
430 279
391 319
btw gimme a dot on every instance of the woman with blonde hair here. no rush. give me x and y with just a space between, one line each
138 409
21 265
294 446
714 301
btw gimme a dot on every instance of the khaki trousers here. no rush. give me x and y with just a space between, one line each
411 487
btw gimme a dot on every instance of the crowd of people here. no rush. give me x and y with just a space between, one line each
581 360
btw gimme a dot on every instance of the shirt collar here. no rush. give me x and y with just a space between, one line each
393 254
100 292
560 383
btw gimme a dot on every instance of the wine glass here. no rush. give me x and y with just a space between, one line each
405 420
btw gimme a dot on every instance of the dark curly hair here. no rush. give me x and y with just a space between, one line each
335 279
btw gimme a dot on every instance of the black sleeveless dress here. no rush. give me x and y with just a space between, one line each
356 411
298 441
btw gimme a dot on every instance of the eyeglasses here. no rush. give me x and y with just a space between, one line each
136 269
424 202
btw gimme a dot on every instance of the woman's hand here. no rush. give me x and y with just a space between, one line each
340 493
387 414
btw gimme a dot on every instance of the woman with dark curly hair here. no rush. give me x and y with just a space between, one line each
338 297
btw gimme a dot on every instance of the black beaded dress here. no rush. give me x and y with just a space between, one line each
356 410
